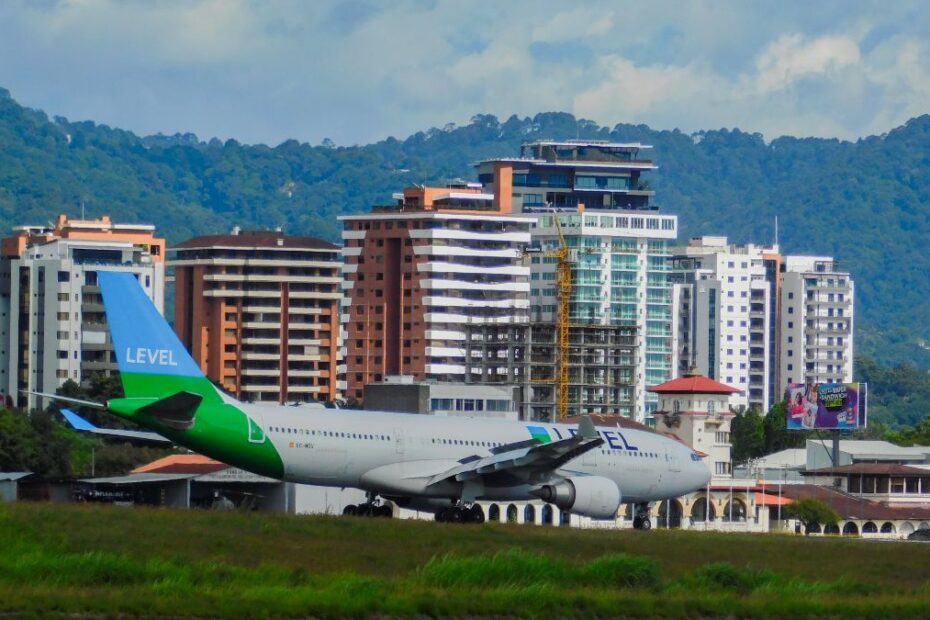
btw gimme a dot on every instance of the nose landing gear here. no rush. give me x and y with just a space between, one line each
641 520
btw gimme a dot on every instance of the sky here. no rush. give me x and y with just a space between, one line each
358 71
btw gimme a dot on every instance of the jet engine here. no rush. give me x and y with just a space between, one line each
590 496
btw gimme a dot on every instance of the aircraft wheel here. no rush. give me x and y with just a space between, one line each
443 515
637 523
456 515
647 523
384 511
350 510
476 514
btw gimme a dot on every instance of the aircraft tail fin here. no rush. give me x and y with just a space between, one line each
152 361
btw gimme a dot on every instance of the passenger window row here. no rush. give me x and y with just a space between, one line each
467 442
304 431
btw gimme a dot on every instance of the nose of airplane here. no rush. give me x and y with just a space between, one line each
695 474
700 473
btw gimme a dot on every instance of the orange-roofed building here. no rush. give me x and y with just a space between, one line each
52 323
696 409
259 311
181 464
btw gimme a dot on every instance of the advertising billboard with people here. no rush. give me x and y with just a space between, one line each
826 405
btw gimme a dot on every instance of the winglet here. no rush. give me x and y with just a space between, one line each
586 428
77 422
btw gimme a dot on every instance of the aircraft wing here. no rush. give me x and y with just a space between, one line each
80 424
525 460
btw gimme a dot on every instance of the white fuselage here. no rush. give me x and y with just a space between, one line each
340 448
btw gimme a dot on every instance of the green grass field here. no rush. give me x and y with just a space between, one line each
100 561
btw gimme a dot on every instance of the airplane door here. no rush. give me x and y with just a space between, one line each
399 440
674 463
256 423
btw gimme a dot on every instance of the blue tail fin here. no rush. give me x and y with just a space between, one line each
143 341
152 361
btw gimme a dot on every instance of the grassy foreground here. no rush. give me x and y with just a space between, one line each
104 561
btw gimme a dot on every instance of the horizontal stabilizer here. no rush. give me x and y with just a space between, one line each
175 411
80 424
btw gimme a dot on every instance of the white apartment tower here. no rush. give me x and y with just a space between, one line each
757 320
53 325
726 316
416 274
817 316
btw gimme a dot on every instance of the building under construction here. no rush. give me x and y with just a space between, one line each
601 365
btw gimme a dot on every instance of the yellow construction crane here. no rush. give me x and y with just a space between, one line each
564 283
563 296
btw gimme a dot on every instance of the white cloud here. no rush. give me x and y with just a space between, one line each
791 58
630 92
579 22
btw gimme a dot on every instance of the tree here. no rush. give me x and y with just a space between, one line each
775 428
811 512
747 436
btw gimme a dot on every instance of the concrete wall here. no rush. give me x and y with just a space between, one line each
7 491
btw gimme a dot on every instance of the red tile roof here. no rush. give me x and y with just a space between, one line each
693 384
849 506
182 464
870 469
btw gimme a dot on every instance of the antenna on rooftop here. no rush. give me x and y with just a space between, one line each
82 209
776 231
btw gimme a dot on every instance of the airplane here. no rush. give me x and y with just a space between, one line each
429 463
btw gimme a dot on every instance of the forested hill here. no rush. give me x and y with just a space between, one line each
863 202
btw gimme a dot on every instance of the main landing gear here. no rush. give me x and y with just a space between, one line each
641 520
371 508
460 514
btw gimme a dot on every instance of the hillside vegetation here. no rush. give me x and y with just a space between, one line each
863 202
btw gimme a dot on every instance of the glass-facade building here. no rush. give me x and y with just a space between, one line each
619 247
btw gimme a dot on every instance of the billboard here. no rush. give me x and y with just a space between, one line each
826 405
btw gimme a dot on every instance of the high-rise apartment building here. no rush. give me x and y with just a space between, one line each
418 272
726 313
817 311
52 323
755 319
619 246
259 312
